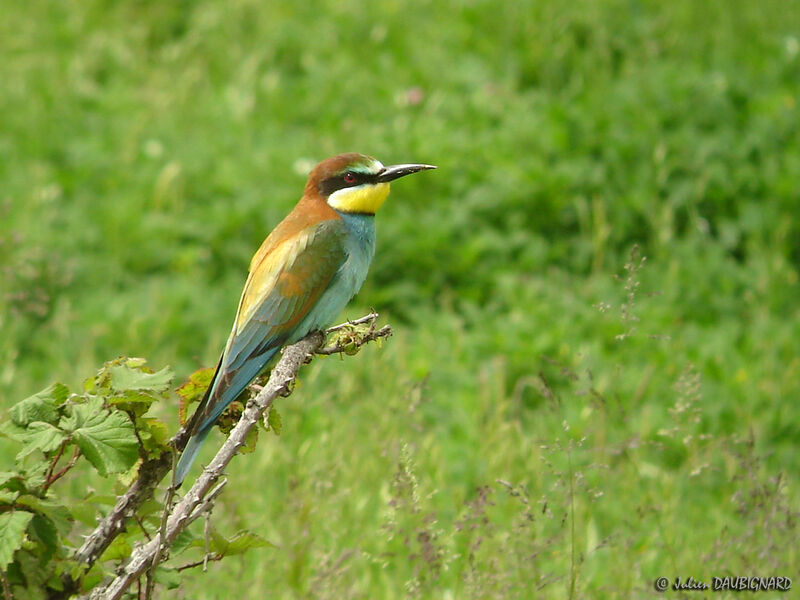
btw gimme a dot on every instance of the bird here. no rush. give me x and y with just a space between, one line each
300 279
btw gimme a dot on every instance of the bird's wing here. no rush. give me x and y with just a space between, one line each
284 284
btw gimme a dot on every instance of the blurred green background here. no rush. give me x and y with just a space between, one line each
645 418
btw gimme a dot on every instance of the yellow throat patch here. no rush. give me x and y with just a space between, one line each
366 198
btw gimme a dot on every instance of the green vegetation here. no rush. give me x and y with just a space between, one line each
553 411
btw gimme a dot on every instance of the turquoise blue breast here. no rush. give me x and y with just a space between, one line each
350 277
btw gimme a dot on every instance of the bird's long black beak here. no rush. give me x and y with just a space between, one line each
393 172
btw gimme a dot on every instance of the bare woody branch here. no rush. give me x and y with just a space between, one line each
356 338
197 499
370 318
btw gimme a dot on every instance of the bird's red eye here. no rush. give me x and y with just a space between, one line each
350 177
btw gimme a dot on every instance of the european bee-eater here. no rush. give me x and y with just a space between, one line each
301 278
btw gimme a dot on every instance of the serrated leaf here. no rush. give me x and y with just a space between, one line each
274 420
216 541
244 541
40 436
34 474
29 478
193 390
89 384
52 509
136 402
127 377
240 543
11 431
44 532
101 383
106 439
154 434
133 362
8 497
42 406
12 534
250 441
126 478
36 436
197 385
6 476
35 572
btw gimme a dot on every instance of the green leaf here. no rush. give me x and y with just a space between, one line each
216 541
127 374
55 582
169 578
274 420
40 436
12 534
126 478
244 541
193 390
35 572
150 507
89 385
28 478
102 499
92 577
240 543
42 406
198 383
107 439
250 441
84 512
6 476
154 434
133 402
56 512
44 532
8 497
182 541
119 549
126 377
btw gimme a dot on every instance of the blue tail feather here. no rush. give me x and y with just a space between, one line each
238 382
188 455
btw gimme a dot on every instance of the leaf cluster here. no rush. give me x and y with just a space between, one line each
106 428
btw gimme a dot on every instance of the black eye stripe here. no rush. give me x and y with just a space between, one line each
337 182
